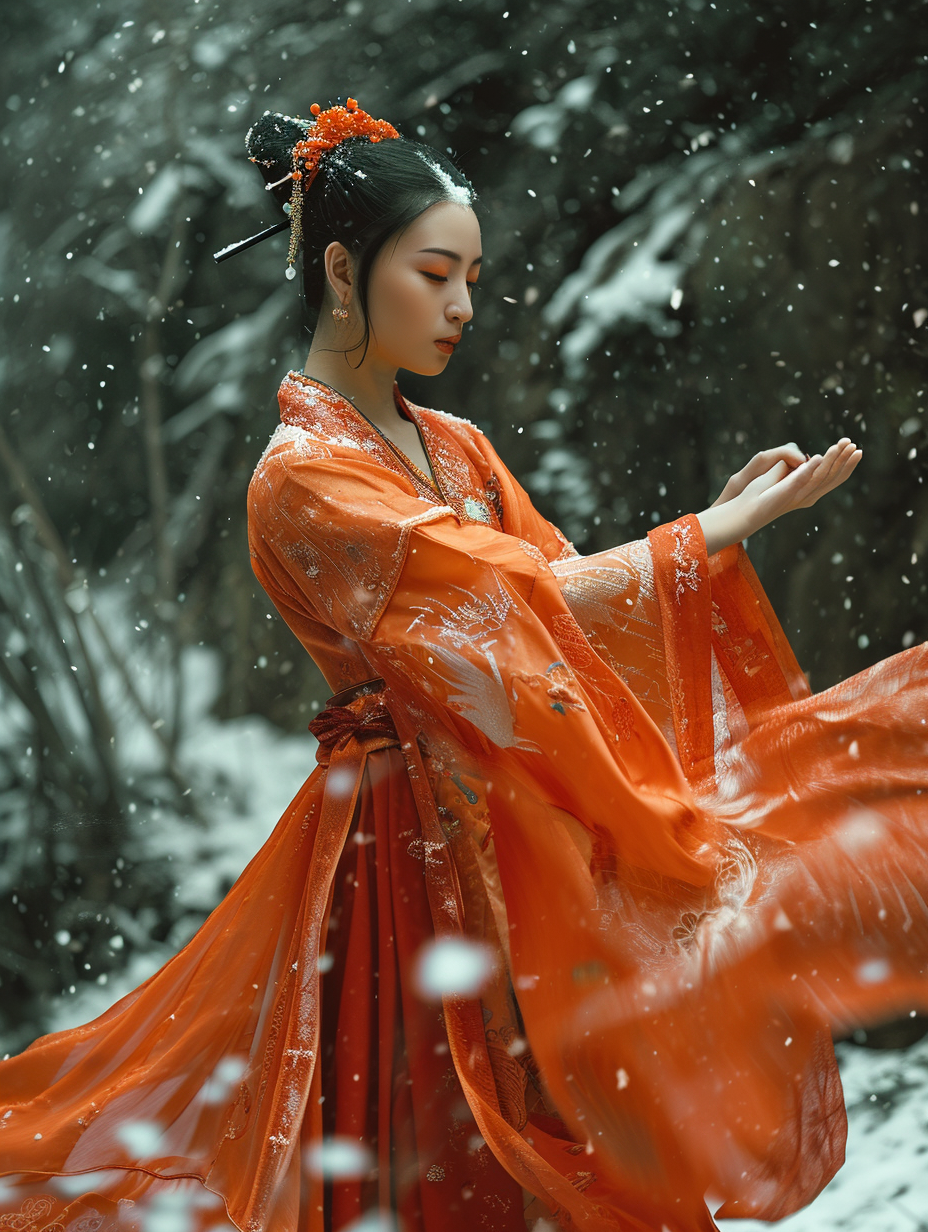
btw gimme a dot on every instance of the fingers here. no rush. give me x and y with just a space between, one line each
845 462
827 471
774 474
770 465
782 478
834 459
791 454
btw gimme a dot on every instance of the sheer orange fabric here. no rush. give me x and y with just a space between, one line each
606 771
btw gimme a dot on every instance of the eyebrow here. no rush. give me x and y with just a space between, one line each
446 252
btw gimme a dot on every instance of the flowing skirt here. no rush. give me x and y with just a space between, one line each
289 1071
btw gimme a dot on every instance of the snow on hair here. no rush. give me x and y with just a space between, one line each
456 192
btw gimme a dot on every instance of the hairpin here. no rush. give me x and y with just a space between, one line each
231 249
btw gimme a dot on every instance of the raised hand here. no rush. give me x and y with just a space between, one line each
774 489
759 465
782 489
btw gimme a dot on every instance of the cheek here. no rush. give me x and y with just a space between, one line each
399 302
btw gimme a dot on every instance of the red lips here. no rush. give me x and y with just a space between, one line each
454 340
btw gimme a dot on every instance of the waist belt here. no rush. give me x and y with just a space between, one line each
355 714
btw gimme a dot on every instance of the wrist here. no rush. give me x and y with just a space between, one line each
728 493
723 525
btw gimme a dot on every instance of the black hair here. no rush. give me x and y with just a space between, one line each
363 194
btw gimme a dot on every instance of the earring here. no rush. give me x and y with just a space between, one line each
340 313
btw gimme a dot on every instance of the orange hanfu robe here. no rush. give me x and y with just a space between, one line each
604 774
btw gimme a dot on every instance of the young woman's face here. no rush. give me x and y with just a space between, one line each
420 289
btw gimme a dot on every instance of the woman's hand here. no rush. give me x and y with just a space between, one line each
759 465
778 489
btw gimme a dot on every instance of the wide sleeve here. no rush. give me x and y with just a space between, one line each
695 637
470 629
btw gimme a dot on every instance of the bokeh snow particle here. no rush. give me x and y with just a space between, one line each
338 1157
453 965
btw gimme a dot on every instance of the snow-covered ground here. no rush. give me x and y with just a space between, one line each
256 770
247 771
883 1186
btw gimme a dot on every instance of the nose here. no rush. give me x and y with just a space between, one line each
460 311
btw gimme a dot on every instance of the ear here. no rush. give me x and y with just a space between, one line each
339 269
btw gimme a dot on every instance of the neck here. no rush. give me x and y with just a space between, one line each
369 385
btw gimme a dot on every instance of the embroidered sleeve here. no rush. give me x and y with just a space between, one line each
477 631
686 559
612 595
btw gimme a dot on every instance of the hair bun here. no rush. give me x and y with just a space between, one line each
269 143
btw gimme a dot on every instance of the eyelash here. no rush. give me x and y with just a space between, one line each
474 286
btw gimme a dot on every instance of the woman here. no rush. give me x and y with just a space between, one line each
557 932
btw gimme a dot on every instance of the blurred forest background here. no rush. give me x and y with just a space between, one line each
705 236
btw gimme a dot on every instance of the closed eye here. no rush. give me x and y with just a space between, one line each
472 286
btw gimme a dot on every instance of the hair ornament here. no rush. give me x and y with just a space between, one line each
332 126
327 129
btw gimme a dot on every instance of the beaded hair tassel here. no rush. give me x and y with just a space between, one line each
331 127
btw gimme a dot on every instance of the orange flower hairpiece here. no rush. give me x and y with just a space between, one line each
331 127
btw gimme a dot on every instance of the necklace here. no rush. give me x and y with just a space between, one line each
431 481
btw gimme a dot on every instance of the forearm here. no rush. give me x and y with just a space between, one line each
726 524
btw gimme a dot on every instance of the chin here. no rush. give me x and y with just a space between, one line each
435 368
